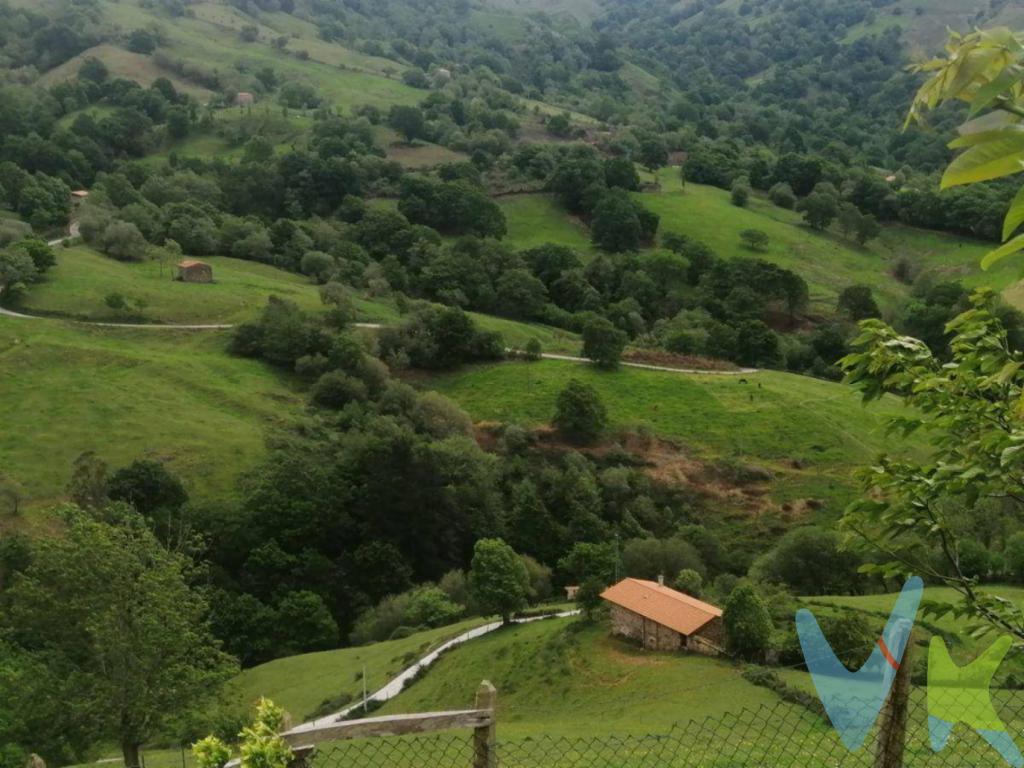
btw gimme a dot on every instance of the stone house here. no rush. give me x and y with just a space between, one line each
663 619
194 272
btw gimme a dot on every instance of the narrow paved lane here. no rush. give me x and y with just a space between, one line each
397 683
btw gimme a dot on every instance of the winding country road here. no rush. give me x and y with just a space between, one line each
73 232
397 683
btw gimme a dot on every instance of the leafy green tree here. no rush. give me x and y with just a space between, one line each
1014 552
148 486
620 172
179 123
690 582
603 343
867 229
652 152
121 632
983 70
819 209
499 581
654 558
579 412
858 303
851 634
141 41
408 121
755 239
124 242
589 597
304 623
520 294
560 125
588 561
748 623
783 196
615 225
740 194
912 509
810 561
94 70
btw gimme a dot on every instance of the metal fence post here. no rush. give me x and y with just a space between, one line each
484 741
892 737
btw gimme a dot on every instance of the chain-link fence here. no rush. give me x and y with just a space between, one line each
781 735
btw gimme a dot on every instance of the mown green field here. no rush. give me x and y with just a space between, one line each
535 220
174 396
83 278
775 420
828 261
557 681
301 683
966 649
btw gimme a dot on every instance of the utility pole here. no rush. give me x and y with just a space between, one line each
364 689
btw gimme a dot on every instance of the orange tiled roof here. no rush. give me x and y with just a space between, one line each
189 263
662 605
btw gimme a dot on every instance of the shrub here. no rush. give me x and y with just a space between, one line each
783 196
748 624
579 412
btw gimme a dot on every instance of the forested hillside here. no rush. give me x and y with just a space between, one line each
555 290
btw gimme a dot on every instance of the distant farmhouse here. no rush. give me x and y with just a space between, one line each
662 619
245 99
195 272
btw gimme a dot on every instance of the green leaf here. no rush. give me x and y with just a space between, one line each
1015 216
990 93
992 159
1010 248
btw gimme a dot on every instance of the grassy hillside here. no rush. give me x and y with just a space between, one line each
557 679
967 647
83 278
301 683
534 220
777 420
828 261
169 395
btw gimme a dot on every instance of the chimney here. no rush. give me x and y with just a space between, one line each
661 580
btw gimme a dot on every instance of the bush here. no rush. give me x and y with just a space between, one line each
783 196
424 606
579 412
603 343
748 624
123 241
336 390
741 192
755 239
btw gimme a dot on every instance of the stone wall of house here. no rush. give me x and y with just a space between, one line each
709 639
650 634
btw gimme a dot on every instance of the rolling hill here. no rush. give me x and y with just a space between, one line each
174 396
809 434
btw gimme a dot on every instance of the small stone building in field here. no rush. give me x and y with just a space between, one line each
195 272
245 99
662 619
